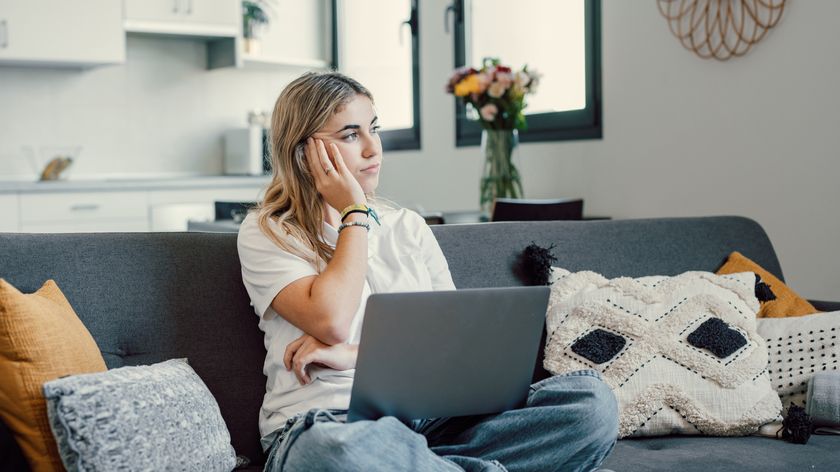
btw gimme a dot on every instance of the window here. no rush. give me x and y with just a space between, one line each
560 39
376 43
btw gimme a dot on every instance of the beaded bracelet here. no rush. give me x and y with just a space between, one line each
353 223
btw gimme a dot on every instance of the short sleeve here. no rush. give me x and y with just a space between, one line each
435 260
266 268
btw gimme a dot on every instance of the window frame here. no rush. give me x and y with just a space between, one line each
585 123
393 139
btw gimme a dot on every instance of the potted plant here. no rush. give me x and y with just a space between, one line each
255 14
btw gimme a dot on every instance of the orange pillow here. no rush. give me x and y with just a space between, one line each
41 339
787 302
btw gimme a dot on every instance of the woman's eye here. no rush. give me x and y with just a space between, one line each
375 129
351 137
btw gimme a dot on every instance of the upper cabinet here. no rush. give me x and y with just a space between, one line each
298 34
61 32
203 18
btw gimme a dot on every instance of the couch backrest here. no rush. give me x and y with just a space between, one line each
148 297
485 254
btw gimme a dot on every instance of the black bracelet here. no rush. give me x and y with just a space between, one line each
354 211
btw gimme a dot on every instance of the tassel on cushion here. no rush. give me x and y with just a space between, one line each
536 264
797 425
762 291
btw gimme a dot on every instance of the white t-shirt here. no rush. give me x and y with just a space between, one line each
403 256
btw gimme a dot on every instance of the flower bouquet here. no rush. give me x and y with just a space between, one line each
497 94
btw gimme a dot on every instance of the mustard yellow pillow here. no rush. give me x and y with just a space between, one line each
41 339
787 302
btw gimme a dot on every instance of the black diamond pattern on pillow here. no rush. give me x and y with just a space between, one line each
599 346
717 337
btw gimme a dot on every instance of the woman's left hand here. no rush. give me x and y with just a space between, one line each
307 350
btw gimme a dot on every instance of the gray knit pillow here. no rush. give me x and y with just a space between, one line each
157 417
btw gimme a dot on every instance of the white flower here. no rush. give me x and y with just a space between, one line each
521 78
489 111
496 89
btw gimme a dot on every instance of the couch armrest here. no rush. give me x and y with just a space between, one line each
825 306
10 456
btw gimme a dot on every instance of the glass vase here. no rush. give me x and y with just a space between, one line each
500 177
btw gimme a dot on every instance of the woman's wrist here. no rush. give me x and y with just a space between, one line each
356 217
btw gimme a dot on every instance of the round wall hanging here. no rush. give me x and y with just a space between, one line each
721 28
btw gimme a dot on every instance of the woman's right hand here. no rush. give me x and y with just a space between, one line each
333 180
306 350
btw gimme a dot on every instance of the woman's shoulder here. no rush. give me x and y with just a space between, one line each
401 217
250 229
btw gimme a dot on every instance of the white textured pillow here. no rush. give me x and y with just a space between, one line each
799 347
157 417
681 353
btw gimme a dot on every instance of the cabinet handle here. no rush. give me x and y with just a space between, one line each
5 27
175 4
189 7
84 207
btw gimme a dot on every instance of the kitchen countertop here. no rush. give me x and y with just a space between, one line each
163 183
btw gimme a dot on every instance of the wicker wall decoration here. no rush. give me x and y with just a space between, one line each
721 28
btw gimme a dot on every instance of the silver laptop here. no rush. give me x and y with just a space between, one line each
449 353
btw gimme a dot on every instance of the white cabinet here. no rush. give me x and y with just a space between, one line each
205 18
8 213
112 209
299 35
83 212
60 32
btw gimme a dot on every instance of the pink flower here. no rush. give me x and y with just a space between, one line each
496 89
489 111
504 78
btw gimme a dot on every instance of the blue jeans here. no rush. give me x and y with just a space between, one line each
569 422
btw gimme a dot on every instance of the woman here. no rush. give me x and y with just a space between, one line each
312 253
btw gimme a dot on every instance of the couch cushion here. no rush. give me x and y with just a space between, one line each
157 417
786 303
41 339
707 454
689 360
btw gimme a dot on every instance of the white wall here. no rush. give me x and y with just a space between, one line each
162 112
755 136
683 136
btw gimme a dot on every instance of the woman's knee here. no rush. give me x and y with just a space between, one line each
349 446
584 395
601 409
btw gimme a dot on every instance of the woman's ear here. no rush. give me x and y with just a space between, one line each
300 158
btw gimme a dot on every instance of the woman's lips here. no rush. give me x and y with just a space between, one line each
374 169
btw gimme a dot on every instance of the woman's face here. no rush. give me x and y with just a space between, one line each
355 130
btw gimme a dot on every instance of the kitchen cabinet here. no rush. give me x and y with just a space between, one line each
118 206
84 212
8 213
299 35
203 18
62 33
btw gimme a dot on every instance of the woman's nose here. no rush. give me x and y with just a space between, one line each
370 148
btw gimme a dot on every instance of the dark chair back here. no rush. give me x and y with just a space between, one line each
511 209
232 210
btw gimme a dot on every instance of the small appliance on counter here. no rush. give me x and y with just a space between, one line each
246 149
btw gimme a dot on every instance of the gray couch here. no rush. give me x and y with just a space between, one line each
149 297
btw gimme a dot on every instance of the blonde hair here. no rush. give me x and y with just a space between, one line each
291 200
